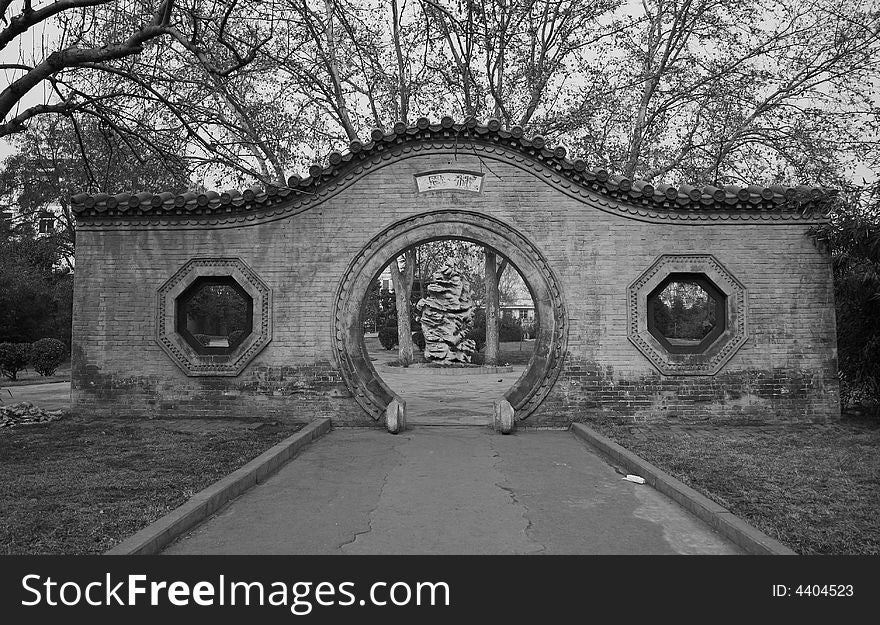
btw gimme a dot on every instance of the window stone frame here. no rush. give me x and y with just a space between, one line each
175 345
719 300
190 293
719 351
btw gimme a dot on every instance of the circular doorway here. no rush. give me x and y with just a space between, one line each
367 387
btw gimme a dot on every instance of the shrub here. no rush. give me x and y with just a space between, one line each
388 336
419 339
477 331
13 358
478 336
46 355
510 331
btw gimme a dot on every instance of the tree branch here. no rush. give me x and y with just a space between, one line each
22 23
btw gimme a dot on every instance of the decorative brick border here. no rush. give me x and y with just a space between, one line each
710 361
184 356
367 387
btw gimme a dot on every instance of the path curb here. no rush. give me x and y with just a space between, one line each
159 534
732 527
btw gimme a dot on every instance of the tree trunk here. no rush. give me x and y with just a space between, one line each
402 291
403 79
493 306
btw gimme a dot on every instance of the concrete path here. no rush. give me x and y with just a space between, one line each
451 490
54 396
454 396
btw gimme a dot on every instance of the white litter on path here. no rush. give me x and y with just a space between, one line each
635 478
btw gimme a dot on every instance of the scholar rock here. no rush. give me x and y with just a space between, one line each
446 315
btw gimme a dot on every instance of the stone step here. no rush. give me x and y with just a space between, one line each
483 420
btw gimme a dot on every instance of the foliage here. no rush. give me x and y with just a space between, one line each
683 310
58 159
510 330
217 310
699 91
37 293
465 256
853 237
152 75
419 339
388 335
13 358
371 307
512 287
387 314
46 355
477 332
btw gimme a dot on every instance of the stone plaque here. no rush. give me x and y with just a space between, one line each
449 180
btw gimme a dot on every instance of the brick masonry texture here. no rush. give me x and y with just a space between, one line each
786 370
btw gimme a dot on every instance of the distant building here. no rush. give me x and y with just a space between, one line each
385 282
46 223
520 309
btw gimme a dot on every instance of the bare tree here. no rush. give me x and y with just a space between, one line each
717 92
73 53
150 75
510 57
493 272
403 282
704 91
56 160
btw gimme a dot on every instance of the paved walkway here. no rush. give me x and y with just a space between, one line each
54 396
442 490
451 490
455 396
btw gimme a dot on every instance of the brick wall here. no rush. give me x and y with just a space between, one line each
786 369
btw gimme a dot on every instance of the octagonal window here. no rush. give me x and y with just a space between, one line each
214 315
686 313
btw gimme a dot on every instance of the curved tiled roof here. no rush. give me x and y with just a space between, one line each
639 193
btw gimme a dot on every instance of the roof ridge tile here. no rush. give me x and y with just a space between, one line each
661 196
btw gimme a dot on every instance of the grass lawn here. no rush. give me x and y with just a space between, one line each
80 486
515 352
510 352
813 487
29 376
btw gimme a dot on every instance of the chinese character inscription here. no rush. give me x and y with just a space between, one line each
449 180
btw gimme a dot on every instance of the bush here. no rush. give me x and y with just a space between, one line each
388 336
478 336
46 355
477 332
13 358
419 339
510 331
